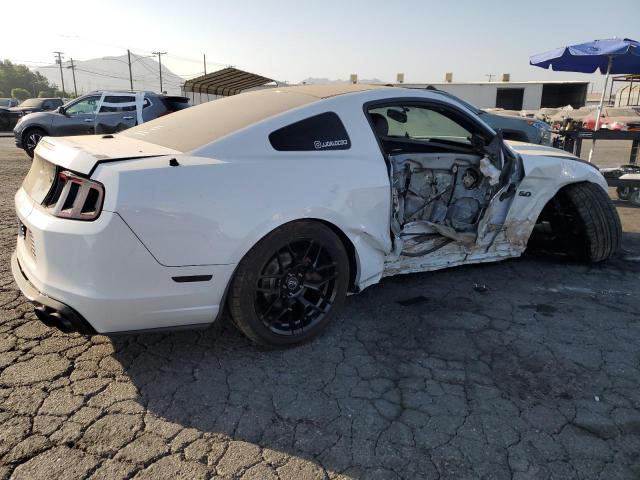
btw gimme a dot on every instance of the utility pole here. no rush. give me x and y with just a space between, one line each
490 75
59 62
159 54
73 72
204 58
130 75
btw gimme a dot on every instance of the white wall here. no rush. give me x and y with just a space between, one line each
198 98
483 95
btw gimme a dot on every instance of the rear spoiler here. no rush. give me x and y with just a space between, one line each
82 154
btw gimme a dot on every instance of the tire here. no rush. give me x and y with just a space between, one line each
590 222
624 193
634 197
31 138
288 287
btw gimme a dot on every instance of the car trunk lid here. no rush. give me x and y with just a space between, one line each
82 153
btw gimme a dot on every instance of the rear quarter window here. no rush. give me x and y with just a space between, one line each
173 104
320 132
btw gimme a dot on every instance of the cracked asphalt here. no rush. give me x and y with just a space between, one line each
535 376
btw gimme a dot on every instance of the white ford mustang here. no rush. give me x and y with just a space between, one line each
277 203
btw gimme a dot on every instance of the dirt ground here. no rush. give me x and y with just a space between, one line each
537 376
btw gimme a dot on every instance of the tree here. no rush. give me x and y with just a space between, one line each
19 76
20 93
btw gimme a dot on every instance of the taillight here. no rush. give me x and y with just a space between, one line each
75 197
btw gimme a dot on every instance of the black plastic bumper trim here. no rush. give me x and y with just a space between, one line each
56 313
192 278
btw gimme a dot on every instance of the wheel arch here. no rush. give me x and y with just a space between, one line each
349 248
560 191
545 178
31 128
347 243
599 228
344 239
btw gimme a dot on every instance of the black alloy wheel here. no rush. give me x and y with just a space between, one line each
31 140
289 285
296 287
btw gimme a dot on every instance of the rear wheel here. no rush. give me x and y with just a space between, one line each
288 287
583 223
31 139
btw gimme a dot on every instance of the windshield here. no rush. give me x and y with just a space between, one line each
32 102
5 102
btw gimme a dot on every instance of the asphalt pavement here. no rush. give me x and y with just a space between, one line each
523 369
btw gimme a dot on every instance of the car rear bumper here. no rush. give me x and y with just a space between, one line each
98 276
49 310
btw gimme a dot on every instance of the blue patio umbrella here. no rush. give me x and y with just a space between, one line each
610 56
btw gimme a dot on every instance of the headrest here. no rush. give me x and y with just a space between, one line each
380 124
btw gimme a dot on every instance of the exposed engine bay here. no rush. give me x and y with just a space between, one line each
439 198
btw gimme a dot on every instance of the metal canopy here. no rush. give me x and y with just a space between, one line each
225 82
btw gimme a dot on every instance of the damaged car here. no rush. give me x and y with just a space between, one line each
96 112
275 204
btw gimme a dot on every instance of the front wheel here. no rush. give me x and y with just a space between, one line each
588 221
289 286
31 140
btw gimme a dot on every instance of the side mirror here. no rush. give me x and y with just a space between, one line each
61 110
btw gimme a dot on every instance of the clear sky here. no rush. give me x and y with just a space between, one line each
292 40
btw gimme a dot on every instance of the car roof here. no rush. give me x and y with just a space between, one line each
192 128
100 92
332 90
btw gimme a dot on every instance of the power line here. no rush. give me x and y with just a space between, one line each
144 78
106 75
148 69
